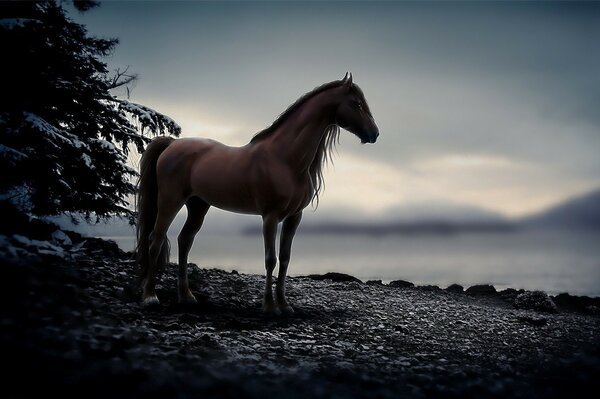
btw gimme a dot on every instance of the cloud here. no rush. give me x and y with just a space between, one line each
490 104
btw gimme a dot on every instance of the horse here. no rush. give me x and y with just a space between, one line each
276 176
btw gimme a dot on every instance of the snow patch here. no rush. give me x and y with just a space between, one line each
53 132
87 160
11 153
105 144
61 237
41 245
149 118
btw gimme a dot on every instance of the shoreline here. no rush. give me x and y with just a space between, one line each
71 322
467 261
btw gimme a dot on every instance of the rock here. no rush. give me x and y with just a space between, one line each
535 300
510 294
579 303
401 284
235 272
455 288
333 276
402 328
106 247
481 289
430 288
374 282
353 285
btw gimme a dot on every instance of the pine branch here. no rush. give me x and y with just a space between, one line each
122 78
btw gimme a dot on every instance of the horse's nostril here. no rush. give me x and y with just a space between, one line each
374 137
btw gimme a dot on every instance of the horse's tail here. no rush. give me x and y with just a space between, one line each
147 206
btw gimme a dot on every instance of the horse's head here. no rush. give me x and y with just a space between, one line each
353 113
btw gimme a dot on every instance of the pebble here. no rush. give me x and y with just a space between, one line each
411 341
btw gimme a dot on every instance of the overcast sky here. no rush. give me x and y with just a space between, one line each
495 105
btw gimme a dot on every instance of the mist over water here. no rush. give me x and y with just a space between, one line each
552 261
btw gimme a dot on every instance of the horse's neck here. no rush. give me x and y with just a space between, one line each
297 139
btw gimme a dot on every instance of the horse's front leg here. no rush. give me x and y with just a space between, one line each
269 234
288 231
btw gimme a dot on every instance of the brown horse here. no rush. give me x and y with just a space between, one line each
275 176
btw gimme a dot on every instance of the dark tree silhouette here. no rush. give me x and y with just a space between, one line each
64 137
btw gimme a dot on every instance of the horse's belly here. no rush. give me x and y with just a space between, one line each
234 182
227 196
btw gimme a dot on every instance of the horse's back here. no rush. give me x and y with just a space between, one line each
244 179
217 173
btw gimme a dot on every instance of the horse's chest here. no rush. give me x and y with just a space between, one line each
298 196
288 195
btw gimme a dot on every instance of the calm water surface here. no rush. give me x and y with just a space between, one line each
551 261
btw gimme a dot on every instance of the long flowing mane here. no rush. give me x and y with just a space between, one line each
323 155
330 139
297 104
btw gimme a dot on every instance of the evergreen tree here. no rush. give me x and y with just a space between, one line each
64 137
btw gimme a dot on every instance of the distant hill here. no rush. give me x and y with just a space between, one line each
446 212
421 218
578 213
411 219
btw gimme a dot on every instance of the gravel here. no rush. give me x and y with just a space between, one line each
71 326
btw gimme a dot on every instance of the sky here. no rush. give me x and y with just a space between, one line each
494 105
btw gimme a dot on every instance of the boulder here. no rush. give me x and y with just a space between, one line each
353 285
333 276
374 282
401 284
510 294
578 303
455 288
481 289
535 300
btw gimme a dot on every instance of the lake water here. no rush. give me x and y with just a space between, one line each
554 261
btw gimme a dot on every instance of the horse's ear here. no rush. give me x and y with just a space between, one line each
347 81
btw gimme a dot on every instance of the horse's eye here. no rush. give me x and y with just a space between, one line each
358 104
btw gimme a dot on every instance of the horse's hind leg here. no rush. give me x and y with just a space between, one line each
197 209
167 210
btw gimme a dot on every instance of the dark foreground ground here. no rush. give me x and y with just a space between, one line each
70 328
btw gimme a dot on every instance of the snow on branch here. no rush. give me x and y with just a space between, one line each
149 119
52 132
10 154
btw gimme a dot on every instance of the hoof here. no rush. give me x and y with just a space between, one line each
287 310
188 299
271 310
150 301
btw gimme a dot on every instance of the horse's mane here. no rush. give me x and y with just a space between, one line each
330 139
297 104
323 155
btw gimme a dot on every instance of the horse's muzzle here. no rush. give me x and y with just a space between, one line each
371 137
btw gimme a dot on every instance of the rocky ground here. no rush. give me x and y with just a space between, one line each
70 327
